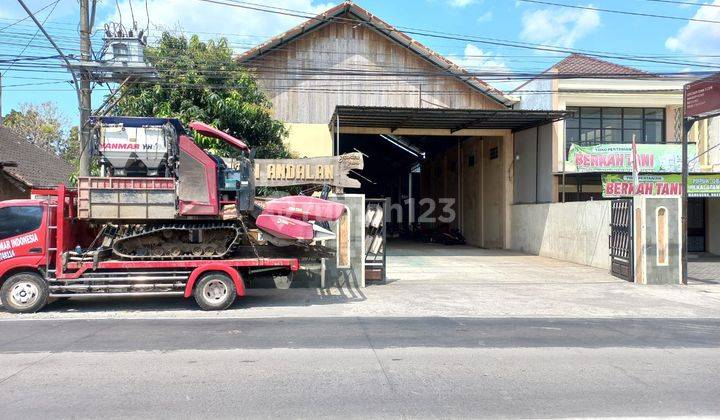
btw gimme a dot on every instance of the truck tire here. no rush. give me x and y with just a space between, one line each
24 293
215 292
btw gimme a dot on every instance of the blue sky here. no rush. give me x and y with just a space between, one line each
512 20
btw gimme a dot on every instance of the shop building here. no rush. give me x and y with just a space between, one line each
611 104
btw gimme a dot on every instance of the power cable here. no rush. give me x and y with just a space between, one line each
436 34
147 15
26 17
31 39
49 38
685 3
119 12
587 52
620 12
132 14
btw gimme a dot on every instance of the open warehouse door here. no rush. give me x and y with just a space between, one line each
447 174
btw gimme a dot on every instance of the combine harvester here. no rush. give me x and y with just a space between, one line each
165 218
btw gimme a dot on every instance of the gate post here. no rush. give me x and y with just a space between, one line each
658 240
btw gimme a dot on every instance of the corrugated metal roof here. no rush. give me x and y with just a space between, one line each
386 29
438 118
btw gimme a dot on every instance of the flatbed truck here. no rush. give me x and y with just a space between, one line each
38 262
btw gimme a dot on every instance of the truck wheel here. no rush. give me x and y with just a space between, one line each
24 293
215 292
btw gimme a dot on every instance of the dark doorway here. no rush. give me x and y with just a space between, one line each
696 225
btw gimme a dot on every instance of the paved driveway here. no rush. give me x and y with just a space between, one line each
438 280
704 269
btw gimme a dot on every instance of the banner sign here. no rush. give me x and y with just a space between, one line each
702 98
619 185
654 158
331 170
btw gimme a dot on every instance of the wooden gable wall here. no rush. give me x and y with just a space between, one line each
302 97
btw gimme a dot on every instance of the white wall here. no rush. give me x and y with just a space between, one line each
533 178
525 170
537 94
544 167
576 232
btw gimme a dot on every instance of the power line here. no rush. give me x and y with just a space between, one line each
438 34
26 17
507 57
587 52
119 12
686 3
620 12
132 14
33 37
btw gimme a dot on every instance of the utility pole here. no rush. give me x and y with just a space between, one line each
687 126
85 92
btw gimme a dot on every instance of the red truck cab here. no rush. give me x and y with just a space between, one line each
23 250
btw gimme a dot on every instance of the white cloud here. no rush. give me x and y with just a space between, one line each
245 28
698 37
558 27
460 3
485 17
686 4
476 60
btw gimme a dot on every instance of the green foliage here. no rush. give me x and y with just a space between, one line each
71 154
202 81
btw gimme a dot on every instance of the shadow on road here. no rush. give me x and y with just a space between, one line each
254 297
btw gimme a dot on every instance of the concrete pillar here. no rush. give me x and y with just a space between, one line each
507 155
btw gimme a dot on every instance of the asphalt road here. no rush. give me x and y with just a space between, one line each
358 367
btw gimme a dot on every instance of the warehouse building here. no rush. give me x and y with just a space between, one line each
346 80
454 154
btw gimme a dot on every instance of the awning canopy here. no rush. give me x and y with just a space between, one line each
454 120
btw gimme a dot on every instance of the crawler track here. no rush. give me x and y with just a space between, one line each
210 240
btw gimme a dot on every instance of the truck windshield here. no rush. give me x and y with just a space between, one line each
17 220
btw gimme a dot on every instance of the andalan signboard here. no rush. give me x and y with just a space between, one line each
656 158
331 170
621 185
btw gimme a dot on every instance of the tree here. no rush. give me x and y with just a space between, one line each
201 81
71 154
42 125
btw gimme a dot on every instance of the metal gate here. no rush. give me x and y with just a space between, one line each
621 239
375 238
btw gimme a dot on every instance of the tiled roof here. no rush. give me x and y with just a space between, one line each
385 28
36 167
584 65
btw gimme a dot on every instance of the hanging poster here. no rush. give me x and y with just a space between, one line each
621 185
654 158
